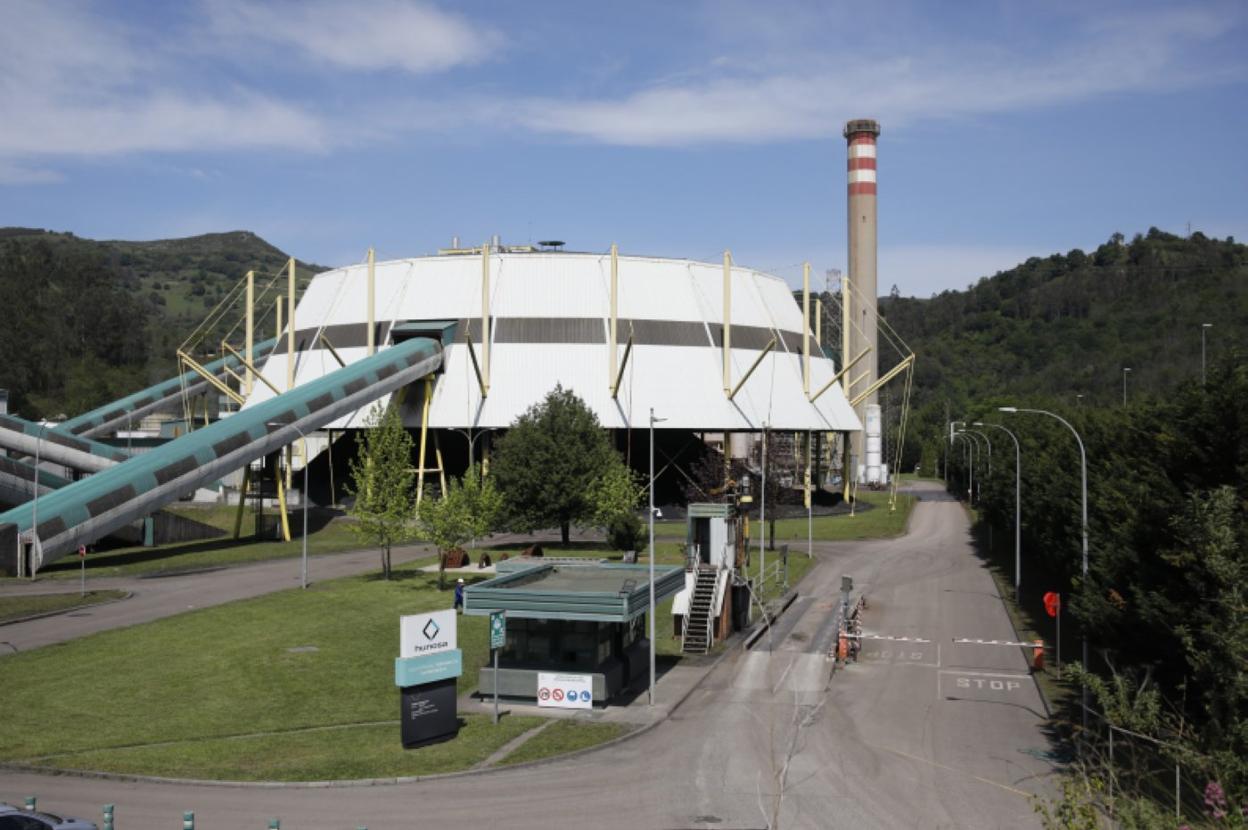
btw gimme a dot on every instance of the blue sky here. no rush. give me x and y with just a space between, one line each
1010 129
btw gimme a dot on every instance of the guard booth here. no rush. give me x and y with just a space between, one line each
703 612
584 618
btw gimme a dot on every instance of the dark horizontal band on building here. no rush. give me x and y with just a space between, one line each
571 330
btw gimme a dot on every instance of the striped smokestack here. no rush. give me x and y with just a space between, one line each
860 136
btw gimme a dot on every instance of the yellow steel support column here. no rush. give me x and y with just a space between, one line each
437 452
278 305
819 322
281 499
242 501
290 328
424 437
806 333
615 291
372 302
727 322
250 326
486 340
290 362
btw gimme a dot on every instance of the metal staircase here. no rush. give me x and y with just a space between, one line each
699 631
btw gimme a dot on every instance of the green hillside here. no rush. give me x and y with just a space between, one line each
1064 326
93 320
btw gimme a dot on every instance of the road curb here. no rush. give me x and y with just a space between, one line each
127 595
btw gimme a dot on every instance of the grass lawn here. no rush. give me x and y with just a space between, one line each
17 607
191 680
875 523
331 537
564 736
365 751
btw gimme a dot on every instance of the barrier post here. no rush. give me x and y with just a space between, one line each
188 820
108 816
31 801
275 824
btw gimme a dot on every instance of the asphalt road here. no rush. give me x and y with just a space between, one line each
154 597
915 735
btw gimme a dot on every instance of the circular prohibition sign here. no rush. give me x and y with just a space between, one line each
543 693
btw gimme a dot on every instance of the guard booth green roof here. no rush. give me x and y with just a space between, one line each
592 592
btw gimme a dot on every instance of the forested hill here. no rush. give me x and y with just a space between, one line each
89 321
1066 325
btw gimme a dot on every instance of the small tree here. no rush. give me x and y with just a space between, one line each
614 497
381 482
470 508
549 462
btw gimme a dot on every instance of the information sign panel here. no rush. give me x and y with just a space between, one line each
428 713
565 691
498 629
424 634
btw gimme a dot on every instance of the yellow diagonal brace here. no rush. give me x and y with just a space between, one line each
753 366
223 388
619 375
885 378
840 374
476 367
254 370
325 342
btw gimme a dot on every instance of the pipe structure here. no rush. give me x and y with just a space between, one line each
92 508
163 395
17 481
81 454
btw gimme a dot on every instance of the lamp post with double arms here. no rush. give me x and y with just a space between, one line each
1018 509
1083 469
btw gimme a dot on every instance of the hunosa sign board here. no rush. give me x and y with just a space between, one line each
423 634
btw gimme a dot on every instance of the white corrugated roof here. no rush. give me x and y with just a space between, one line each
683 383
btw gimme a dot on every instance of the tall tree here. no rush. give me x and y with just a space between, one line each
550 463
382 481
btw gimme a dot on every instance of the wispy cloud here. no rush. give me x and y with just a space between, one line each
803 92
411 36
74 85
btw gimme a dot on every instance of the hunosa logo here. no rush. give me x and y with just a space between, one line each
431 630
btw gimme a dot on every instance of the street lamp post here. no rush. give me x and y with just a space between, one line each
1018 510
1083 468
653 421
986 441
970 465
977 457
1125 371
1204 327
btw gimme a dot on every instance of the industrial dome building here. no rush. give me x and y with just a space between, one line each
706 346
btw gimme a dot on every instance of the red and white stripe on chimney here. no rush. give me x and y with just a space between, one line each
862 163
